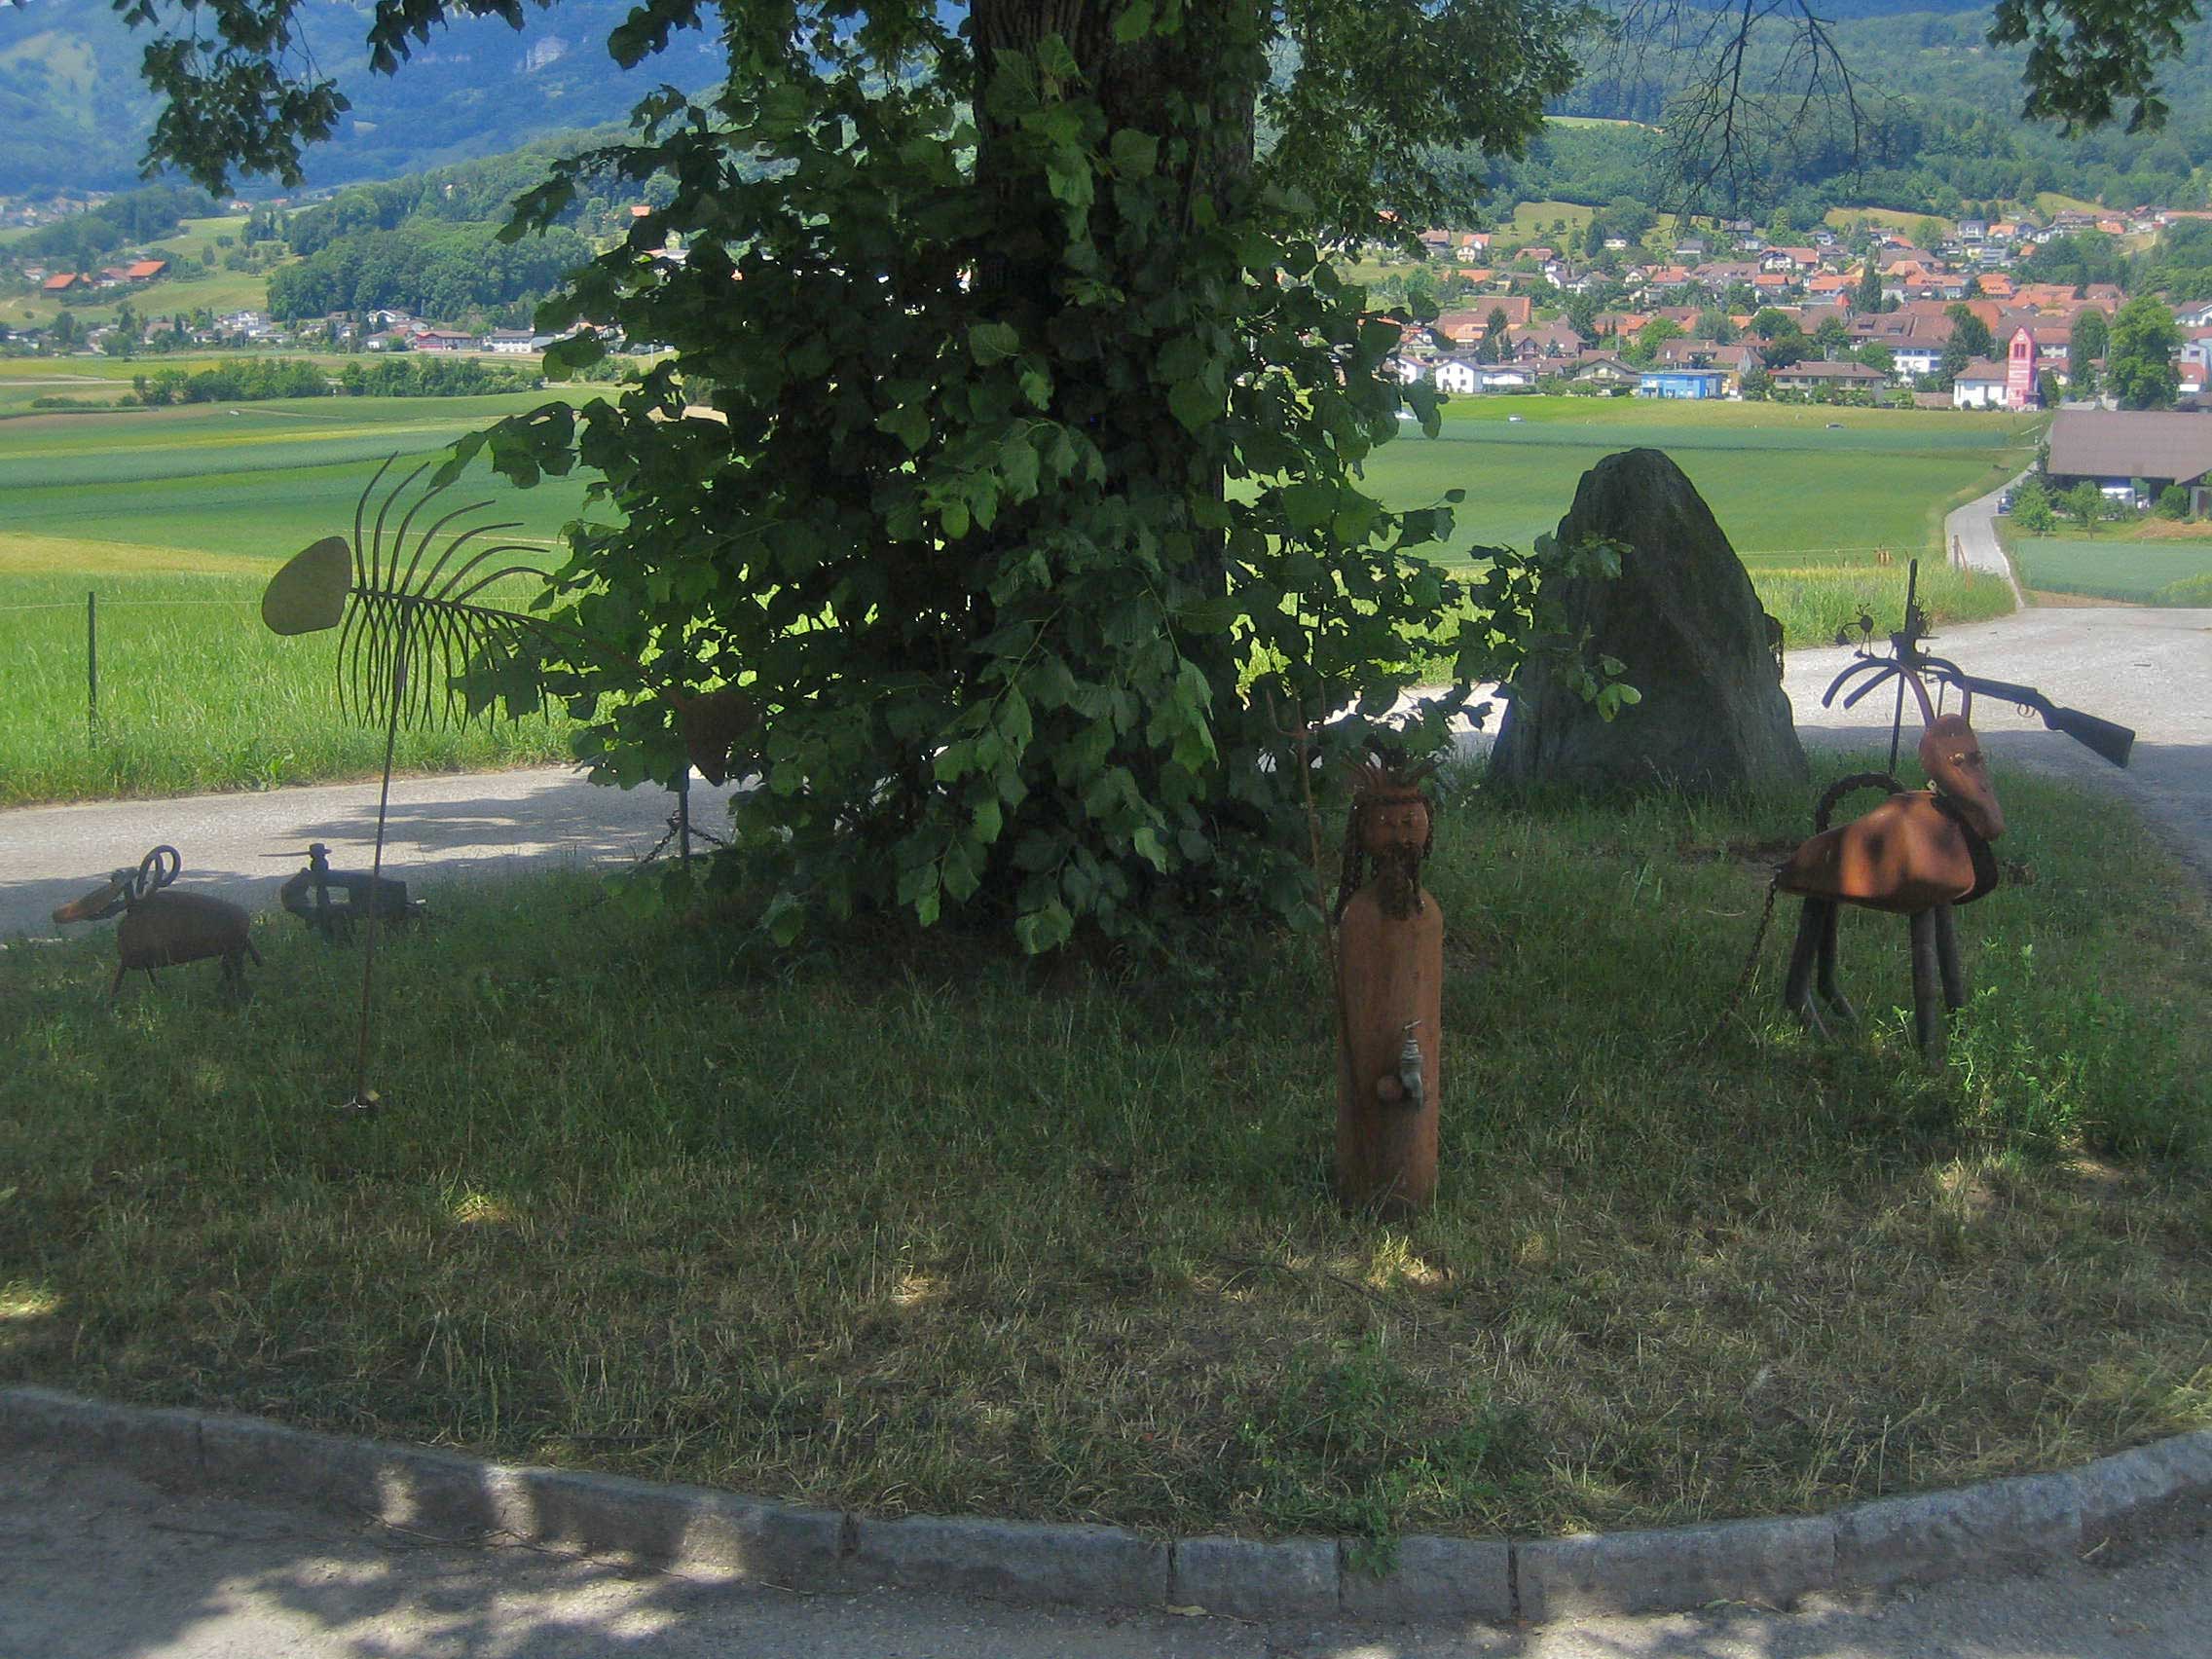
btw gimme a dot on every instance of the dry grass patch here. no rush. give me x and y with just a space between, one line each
893 1223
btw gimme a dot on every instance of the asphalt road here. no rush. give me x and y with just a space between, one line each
2151 670
472 826
95 1565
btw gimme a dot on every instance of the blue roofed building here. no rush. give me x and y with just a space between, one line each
1682 383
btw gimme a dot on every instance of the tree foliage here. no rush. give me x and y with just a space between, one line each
1006 467
2139 368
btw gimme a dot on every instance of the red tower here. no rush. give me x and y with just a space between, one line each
2021 362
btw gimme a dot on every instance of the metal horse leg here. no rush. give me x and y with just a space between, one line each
1947 957
1826 977
1927 1012
1813 922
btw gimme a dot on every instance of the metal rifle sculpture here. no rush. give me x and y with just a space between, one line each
307 896
161 929
413 624
1921 852
1389 996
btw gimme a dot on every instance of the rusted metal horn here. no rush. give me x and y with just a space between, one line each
102 901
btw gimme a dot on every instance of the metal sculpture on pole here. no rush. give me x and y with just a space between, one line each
412 624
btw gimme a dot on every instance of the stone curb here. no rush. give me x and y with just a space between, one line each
726 1537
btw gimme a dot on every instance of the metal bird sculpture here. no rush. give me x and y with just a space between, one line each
415 626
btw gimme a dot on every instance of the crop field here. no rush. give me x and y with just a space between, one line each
2139 572
176 518
1810 497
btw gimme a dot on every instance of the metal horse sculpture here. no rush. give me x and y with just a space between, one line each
1922 852
161 929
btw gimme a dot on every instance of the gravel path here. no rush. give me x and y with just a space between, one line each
2151 670
471 827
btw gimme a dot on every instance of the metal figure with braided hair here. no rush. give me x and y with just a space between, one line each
1389 994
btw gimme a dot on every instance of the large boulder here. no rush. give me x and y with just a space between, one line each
1691 635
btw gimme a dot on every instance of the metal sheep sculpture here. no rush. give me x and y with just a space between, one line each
161 929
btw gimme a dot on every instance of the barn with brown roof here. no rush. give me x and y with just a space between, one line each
2112 447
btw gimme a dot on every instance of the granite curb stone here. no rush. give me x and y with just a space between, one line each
1011 1560
1933 1536
1249 1579
1436 1578
1672 1569
724 1535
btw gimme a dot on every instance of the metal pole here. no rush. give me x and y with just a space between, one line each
92 665
683 816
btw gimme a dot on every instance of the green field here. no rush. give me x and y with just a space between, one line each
176 517
1789 484
2139 572
1809 497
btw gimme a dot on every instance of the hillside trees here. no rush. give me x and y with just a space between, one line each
435 270
1029 523
2139 367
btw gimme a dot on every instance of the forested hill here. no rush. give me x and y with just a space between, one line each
74 115
1940 108
1942 128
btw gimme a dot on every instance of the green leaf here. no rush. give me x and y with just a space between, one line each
1018 465
1146 841
1132 23
987 822
1195 404
1135 154
1309 506
910 424
991 343
784 919
1044 928
1210 616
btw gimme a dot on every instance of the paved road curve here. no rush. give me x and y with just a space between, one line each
471 827
93 1564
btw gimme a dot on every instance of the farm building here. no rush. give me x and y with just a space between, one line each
2115 448
1813 375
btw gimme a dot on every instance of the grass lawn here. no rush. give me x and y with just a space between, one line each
1532 221
2163 570
890 1221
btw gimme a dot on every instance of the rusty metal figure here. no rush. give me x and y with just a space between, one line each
1922 852
307 896
161 929
1390 995
1917 855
